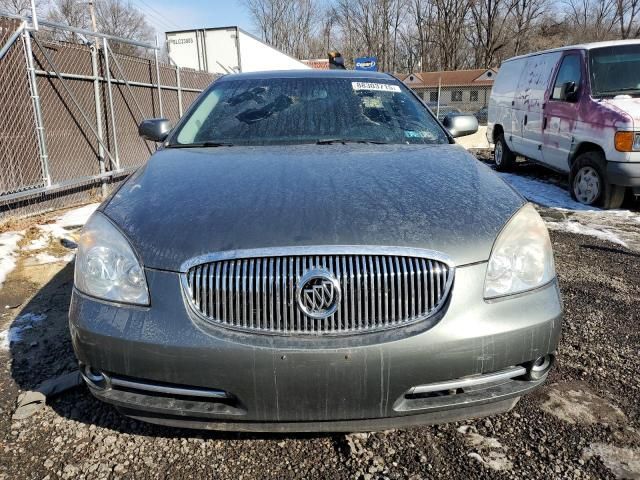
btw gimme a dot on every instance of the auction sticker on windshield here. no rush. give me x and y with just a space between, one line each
379 87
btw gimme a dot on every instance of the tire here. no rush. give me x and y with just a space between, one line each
588 182
503 157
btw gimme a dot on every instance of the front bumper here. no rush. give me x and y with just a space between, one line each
626 174
271 383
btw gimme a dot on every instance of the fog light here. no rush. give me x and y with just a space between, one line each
93 377
539 367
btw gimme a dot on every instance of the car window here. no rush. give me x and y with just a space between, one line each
273 111
570 71
615 70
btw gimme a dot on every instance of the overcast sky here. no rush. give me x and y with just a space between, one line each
166 15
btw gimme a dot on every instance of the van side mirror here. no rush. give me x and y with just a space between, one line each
570 91
460 125
154 129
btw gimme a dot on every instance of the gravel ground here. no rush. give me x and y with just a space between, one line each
583 424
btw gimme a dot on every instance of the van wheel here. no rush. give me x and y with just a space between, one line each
503 156
589 184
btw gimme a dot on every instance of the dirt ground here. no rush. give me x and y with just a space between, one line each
583 424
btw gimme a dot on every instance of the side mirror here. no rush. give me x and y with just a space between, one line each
154 129
460 125
570 91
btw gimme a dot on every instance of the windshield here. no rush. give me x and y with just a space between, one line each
282 111
615 70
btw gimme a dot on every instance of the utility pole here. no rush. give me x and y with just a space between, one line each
94 24
92 12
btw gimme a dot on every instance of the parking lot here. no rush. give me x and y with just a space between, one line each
583 424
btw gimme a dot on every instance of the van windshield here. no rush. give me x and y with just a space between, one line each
285 111
615 70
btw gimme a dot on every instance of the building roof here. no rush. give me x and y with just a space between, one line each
317 63
451 78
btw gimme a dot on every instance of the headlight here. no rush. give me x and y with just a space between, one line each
521 258
106 265
627 141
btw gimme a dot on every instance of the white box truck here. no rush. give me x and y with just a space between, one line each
226 50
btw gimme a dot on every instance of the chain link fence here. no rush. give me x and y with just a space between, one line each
17 132
70 105
447 100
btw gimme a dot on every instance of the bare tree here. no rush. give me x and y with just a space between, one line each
303 29
448 32
290 25
409 50
327 27
422 15
407 35
113 17
488 29
121 19
627 16
70 12
591 20
525 14
22 7
371 27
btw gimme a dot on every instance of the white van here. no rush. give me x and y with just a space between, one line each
576 110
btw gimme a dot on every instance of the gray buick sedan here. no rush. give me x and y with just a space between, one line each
311 251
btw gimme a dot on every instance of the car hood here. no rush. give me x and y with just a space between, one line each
626 105
189 202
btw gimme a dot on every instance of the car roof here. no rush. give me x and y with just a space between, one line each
581 46
310 73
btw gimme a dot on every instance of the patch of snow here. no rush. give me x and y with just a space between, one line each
37 244
574 217
77 216
489 451
574 403
591 230
9 337
68 221
44 258
15 332
476 141
8 253
544 193
622 462
61 229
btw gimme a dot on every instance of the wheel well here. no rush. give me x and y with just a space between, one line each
584 147
497 130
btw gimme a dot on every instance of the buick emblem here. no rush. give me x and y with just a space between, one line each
318 293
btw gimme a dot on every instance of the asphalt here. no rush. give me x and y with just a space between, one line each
583 424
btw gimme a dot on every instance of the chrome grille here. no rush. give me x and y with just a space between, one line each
258 293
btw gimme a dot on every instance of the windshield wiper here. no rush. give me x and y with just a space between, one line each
200 145
621 91
344 141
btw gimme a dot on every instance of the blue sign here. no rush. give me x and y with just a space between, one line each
367 63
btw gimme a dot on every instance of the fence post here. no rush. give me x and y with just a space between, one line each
155 52
107 73
34 16
35 97
439 92
179 85
96 97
